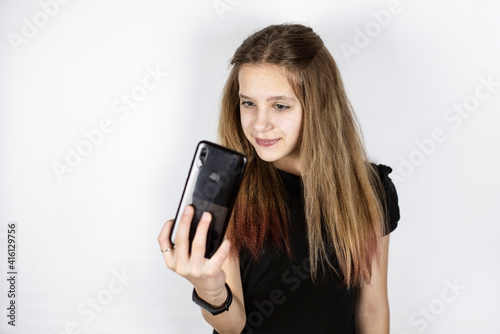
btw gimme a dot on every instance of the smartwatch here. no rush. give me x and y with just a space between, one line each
209 308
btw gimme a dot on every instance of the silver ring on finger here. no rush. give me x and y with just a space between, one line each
168 249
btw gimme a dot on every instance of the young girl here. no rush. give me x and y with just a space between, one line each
306 249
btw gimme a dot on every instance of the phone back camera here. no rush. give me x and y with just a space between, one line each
203 156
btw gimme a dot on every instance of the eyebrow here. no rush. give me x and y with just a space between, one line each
271 98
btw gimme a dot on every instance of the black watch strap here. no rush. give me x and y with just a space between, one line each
209 308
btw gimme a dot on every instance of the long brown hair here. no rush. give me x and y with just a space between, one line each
343 204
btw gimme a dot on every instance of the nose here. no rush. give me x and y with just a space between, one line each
262 121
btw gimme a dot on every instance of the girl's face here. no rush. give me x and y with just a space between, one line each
271 115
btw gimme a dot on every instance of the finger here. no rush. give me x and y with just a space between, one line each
200 238
164 237
182 238
165 245
221 254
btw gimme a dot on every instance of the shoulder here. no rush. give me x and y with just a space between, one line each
391 195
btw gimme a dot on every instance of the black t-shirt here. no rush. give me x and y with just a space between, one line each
280 296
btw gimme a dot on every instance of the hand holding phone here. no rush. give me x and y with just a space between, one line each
212 186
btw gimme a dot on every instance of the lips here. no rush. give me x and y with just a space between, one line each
266 142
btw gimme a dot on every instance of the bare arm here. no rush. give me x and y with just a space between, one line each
372 314
208 276
235 318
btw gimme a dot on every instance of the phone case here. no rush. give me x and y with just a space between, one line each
212 185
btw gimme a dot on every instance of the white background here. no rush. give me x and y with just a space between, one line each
68 71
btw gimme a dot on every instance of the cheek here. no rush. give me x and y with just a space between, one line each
292 127
245 123
298 127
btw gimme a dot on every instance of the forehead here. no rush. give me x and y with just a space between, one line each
261 78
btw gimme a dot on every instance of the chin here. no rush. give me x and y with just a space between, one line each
267 157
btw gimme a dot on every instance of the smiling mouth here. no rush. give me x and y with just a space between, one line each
266 142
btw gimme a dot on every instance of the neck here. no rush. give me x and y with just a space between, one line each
291 166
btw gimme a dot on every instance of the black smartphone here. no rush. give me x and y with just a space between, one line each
212 185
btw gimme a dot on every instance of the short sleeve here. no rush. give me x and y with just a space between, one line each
391 196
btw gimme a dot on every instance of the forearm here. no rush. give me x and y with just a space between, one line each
373 321
372 313
231 321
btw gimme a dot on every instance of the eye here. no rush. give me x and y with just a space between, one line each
281 106
248 104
